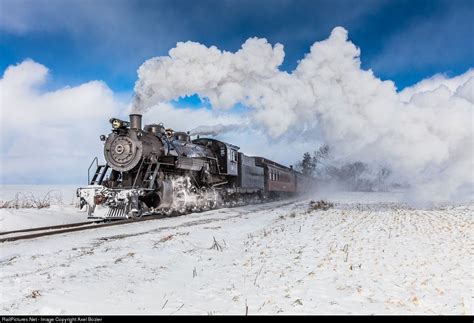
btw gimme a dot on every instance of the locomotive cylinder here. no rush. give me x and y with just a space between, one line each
136 121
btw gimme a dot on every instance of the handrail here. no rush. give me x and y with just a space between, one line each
96 160
138 173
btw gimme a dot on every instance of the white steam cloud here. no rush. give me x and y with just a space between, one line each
215 130
424 134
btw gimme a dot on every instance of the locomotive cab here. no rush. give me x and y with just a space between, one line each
227 154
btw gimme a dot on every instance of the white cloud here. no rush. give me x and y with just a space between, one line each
50 135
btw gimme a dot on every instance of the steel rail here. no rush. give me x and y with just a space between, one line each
73 228
53 227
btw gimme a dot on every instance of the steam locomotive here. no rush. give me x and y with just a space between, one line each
155 169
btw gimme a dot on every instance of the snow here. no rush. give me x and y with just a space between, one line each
370 254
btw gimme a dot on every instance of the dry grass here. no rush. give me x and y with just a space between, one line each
128 255
320 205
34 294
216 245
30 201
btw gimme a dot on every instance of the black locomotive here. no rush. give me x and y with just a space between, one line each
155 169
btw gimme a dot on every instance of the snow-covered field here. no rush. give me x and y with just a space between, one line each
368 254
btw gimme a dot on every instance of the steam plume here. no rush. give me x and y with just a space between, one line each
425 137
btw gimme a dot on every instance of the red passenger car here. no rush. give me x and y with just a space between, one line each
278 178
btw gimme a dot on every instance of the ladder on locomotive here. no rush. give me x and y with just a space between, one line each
150 174
100 172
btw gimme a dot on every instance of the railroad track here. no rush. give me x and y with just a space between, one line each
66 228
73 227
32 233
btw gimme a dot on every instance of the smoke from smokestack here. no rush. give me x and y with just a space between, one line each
425 138
215 130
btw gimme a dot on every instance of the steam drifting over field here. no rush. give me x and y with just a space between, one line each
423 134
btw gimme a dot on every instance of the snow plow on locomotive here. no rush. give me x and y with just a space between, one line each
158 170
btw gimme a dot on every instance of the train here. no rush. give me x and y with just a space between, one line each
153 169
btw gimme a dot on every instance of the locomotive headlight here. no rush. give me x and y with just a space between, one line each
116 124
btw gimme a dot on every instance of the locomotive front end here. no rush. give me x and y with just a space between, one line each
127 145
127 151
123 150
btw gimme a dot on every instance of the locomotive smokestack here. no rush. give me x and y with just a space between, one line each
136 121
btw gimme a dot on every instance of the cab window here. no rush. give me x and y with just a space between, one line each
232 155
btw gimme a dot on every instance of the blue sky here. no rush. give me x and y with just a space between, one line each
403 40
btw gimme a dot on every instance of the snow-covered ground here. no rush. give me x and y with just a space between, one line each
368 254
